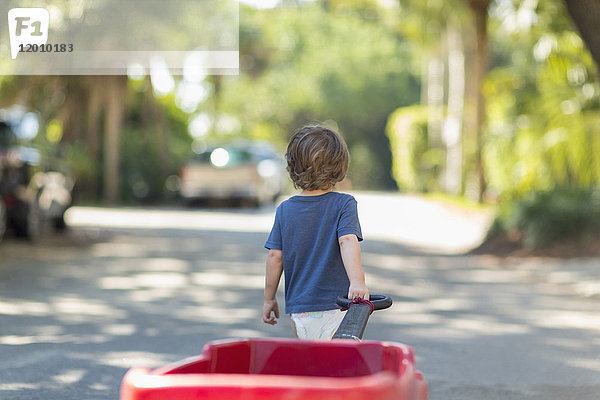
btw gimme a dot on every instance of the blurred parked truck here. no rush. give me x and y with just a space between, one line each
246 172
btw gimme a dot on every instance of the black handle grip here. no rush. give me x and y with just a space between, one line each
380 302
354 323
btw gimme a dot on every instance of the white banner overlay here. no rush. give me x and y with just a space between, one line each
109 37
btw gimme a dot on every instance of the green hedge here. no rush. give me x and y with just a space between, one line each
416 164
544 217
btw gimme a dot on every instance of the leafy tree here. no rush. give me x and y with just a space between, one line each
542 150
305 65
543 108
91 113
437 32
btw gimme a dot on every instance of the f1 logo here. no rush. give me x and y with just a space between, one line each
27 26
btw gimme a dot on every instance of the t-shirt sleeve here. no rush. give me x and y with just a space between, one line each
274 239
349 223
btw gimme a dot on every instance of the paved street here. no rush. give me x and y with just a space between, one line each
129 287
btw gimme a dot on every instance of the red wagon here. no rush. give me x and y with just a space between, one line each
269 369
284 369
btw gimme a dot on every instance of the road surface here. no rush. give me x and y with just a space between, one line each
128 287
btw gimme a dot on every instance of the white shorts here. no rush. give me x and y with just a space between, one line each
317 324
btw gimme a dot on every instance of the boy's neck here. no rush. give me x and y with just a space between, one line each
314 192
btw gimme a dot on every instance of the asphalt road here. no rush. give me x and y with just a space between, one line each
127 287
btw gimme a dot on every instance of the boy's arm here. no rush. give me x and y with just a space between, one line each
350 251
270 309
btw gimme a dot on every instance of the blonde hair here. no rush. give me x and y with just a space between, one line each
317 158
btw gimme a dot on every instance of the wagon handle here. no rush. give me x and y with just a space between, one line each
355 321
379 301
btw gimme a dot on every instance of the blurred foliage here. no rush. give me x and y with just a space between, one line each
543 111
143 177
343 68
360 67
541 143
78 164
542 148
544 217
416 163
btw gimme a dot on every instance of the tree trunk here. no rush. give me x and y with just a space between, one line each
155 121
94 110
435 99
163 139
424 80
456 97
586 15
115 107
480 13
71 112
216 102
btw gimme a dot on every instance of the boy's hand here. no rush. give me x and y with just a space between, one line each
358 289
270 312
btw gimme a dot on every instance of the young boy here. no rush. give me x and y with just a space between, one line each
314 239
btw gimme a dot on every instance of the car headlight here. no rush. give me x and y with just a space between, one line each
267 168
219 157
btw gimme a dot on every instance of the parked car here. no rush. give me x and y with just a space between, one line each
30 196
244 171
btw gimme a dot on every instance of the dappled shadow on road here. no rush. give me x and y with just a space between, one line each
139 297
482 322
74 323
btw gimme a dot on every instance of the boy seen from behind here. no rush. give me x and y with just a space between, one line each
315 238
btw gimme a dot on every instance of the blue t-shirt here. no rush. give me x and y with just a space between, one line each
306 230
